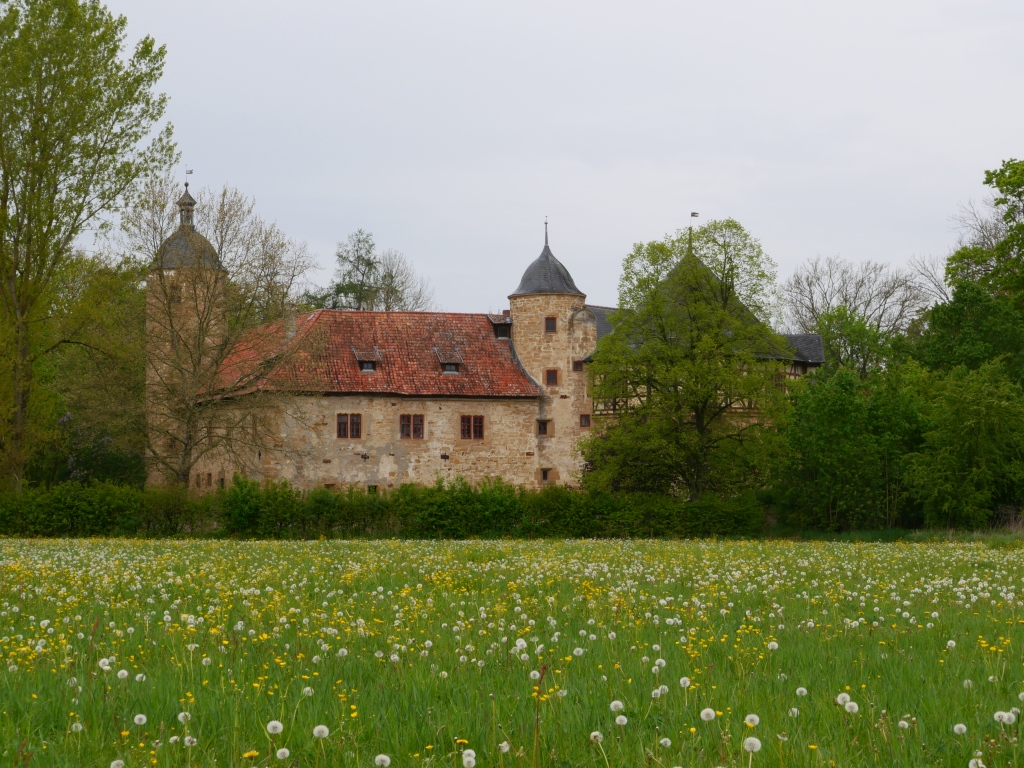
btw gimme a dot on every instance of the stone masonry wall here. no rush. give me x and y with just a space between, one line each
540 351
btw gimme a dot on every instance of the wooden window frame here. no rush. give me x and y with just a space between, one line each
367 366
471 427
349 423
577 366
584 417
450 368
418 425
550 325
544 428
405 426
549 374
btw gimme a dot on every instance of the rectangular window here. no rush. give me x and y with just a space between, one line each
577 365
550 323
542 428
405 426
368 366
551 377
544 475
209 479
342 425
451 367
417 427
355 426
584 419
471 427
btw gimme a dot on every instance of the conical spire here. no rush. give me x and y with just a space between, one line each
186 209
546 274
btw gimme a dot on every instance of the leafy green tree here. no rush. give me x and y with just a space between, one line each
77 122
852 342
998 266
974 327
691 367
972 457
845 440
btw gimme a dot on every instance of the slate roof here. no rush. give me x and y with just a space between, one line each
604 325
318 356
807 347
546 275
184 249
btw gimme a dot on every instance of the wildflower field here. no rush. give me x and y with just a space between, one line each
581 653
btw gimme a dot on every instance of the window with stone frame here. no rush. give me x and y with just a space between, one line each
551 377
350 425
410 426
550 324
584 420
577 365
472 427
544 427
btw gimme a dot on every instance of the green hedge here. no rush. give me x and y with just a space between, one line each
456 510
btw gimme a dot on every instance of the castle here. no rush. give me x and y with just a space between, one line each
377 399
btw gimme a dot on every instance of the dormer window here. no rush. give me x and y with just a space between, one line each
451 367
449 357
368 358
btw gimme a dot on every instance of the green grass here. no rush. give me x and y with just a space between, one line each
449 612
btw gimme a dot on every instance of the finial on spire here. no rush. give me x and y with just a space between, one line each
545 231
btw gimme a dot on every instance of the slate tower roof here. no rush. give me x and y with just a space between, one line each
186 248
546 275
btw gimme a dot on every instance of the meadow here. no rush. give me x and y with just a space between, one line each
510 653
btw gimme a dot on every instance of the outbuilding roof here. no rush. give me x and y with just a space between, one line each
316 355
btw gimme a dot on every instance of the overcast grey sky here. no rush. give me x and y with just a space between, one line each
451 129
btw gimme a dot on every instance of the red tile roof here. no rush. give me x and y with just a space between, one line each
323 356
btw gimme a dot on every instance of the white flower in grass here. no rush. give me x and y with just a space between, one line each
469 753
1000 717
577 652
504 747
191 741
975 763
851 707
621 720
842 698
751 720
468 761
968 684
801 691
707 715
382 760
794 712
275 727
122 674
173 740
665 743
684 682
1009 718
903 724
282 754
656 693
617 706
184 717
207 661
535 675
752 744
773 646
342 653
140 678
951 644
117 764
307 691
140 719
322 732
959 729
597 737
76 727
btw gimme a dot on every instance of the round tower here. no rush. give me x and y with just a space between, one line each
553 333
185 321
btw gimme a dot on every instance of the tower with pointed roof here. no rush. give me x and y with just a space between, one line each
185 317
552 334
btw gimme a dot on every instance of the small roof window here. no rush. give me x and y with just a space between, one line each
367 358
